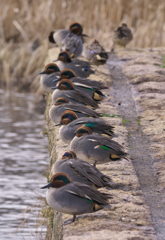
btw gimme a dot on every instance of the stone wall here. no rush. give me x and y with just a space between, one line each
129 217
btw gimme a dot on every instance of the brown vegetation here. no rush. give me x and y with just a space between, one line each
25 25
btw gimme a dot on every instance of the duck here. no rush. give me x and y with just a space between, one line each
67 90
80 67
95 148
81 171
50 80
74 198
95 53
84 86
69 74
49 77
62 104
70 123
73 42
59 35
122 36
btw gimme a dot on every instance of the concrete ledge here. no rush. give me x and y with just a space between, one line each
129 217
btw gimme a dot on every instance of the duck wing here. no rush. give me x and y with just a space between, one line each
71 43
82 109
88 193
107 144
94 124
123 32
84 169
88 83
82 98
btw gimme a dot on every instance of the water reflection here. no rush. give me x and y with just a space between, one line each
23 160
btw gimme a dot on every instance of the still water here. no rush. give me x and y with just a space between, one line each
23 162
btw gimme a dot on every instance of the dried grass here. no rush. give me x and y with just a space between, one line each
25 25
44 219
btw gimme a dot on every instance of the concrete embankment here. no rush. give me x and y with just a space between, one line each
135 106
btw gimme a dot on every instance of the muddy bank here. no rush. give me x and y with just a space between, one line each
129 217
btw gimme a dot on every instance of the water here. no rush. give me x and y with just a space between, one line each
23 162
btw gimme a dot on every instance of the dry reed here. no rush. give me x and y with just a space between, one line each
25 25
44 219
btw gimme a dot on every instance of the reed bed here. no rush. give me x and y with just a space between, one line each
25 26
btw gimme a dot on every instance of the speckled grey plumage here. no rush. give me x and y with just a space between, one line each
95 53
74 96
48 81
81 171
67 132
76 198
58 36
55 112
122 36
73 44
81 68
86 148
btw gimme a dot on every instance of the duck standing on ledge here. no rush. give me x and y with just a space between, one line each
95 148
88 87
95 53
122 36
69 74
73 42
70 123
81 171
74 35
62 104
80 67
49 77
66 89
74 198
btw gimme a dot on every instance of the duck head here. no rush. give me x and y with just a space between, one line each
51 39
95 42
50 68
58 180
76 28
67 73
69 154
60 101
64 56
124 25
81 131
67 117
64 84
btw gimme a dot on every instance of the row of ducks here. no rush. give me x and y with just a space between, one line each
72 40
73 186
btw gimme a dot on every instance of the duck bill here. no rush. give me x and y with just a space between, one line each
85 35
42 72
58 124
57 80
55 60
47 186
54 87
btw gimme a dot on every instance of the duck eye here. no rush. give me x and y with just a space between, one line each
85 69
67 154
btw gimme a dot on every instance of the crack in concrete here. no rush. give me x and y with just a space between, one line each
139 144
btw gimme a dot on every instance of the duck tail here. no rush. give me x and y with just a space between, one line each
51 39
